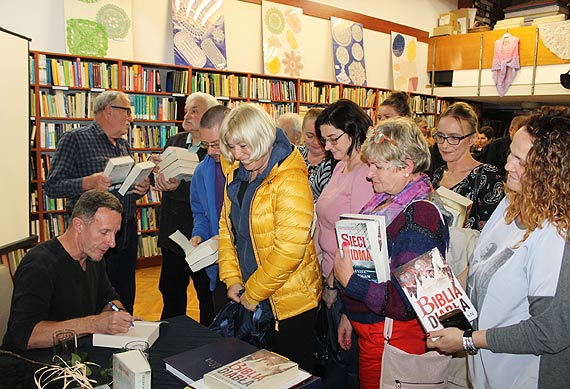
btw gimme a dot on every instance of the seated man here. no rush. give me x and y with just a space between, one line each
62 283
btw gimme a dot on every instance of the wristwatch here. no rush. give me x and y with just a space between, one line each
468 342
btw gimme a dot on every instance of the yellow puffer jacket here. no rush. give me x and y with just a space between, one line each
288 273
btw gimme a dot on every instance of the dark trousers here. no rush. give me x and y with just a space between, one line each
174 279
294 339
121 263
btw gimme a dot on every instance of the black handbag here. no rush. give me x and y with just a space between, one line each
255 328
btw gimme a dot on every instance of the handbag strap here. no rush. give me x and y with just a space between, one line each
388 324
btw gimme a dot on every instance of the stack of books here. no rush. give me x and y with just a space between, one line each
533 10
178 163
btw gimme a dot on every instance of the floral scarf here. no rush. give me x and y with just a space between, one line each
391 206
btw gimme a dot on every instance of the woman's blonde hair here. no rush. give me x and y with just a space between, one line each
545 184
249 124
396 140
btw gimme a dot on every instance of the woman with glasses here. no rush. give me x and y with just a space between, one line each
320 163
481 183
342 128
519 273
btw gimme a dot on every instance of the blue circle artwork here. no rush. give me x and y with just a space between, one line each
398 45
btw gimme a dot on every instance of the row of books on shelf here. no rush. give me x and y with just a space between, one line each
422 104
310 92
12 259
75 73
148 246
430 119
49 204
220 84
364 97
146 107
51 132
147 218
45 161
153 196
139 78
280 90
65 104
151 136
53 225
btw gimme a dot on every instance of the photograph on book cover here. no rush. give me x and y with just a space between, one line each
199 34
99 29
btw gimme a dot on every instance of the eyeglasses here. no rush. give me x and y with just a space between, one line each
332 141
452 140
206 145
128 110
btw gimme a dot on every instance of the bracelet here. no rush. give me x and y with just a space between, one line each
468 343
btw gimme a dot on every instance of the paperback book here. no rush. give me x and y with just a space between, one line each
147 331
118 168
131 370
432 289
261 369
138 173
178 163
205 254
367 245
457 205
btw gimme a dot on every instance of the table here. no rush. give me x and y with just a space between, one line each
177 335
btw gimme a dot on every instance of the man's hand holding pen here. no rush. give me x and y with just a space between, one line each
113 320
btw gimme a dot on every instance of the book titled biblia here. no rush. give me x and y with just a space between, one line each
367 245
261 369
147 331
457 205
432 289
205 254
178 163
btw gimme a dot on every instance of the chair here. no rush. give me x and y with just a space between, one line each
6 287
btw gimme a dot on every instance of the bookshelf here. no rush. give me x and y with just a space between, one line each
63 87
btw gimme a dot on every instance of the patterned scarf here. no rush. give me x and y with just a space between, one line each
391 206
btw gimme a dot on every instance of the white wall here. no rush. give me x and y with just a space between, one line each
43 21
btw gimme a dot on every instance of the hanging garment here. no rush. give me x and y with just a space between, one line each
506 62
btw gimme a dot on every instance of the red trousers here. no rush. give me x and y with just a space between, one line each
406 335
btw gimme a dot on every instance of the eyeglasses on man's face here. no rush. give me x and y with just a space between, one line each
332 141
128 110
207 145
452 140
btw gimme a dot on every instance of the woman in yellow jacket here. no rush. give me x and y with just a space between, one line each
266 253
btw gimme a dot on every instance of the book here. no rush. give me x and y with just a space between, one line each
191 365
432 289
141 330
173 153
367 244
261 369
181 170
205 254
118 168
131 370
138 173
457 205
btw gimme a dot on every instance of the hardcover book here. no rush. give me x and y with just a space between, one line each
131 370
261 369
205 254
432 289
137 174
459 206
141 330
367 244
191 365
118 168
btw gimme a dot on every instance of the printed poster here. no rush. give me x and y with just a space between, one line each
282 27
99 28
199 34
404 66
348 51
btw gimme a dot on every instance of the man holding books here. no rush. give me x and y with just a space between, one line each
176 214
62 283
77 166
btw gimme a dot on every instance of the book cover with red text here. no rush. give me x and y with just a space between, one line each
432 289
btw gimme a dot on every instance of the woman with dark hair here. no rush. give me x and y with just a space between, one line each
462 173
395 105
521 287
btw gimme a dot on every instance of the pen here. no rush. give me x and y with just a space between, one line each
115 308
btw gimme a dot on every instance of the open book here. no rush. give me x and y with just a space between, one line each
432 289
141 330
367 243
459 206
205 254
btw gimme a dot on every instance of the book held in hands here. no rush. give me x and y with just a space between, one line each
261 369
367 245
432 289
147 331
177 162
459 206
118 168
205 254
138 173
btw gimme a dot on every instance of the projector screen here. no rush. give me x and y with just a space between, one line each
14 138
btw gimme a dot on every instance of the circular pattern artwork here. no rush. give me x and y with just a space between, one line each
275 21
342 55
115 21
341 34
398 45
357 33
357 51
86 37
